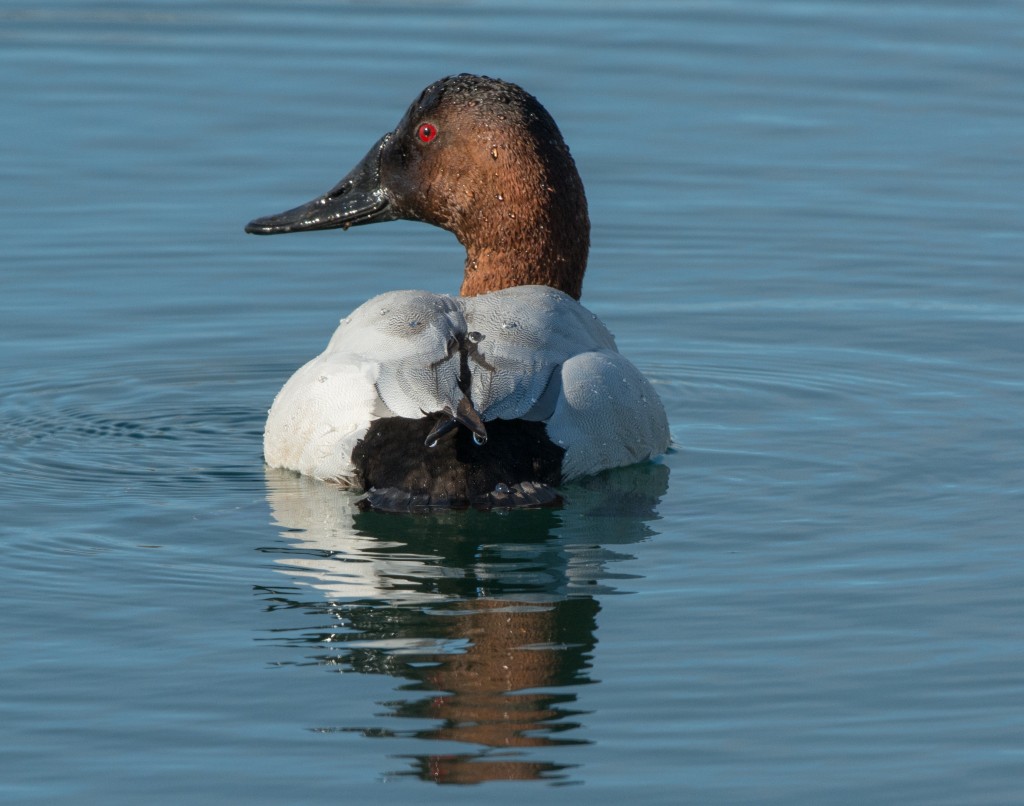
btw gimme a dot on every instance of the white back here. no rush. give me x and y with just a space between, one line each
532 352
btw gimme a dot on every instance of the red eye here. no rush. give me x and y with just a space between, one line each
427 132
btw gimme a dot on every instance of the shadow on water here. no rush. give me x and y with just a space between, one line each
488 617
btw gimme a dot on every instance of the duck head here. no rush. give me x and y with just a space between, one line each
482 159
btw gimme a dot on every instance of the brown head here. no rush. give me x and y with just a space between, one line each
482 159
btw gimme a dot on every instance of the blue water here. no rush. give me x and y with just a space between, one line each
807 232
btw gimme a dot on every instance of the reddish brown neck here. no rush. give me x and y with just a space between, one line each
520 241
488 270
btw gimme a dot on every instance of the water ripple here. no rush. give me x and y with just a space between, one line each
110 429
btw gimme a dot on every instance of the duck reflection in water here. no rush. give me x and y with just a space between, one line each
491 615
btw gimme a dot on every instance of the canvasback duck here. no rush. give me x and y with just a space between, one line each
497 396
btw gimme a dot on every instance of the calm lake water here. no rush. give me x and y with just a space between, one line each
807 232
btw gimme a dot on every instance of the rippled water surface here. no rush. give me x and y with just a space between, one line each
807 232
